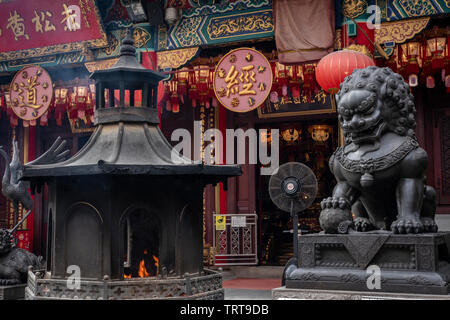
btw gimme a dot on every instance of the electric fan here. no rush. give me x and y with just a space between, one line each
293 188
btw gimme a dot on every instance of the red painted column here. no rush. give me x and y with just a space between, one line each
25 238
360 37
222 127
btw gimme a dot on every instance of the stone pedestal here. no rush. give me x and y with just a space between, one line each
284 293
418 264
13 292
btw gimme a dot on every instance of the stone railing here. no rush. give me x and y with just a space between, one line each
191 286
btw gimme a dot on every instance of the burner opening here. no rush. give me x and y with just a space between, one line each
140 241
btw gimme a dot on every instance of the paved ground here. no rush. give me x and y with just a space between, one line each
250 288
246 294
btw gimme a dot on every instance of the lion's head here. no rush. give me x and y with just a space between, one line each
5 241
372 101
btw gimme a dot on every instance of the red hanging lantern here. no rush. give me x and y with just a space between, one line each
90 105
73 112
182 80
334 67
13 119
274 90
174 98
81 101
193 92
295 80
436 46
447 65
43 120
175 103
427 74
282 76
409 53
310 86
162 103
61 101
202 81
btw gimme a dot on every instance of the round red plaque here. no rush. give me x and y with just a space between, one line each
242 80
31 92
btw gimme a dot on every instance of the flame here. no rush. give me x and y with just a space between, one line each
142 270
156 264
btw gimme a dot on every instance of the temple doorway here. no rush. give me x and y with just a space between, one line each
308 142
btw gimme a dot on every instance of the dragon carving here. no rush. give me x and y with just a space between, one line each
380 170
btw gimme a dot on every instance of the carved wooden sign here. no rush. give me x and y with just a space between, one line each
31 28
31 92
242 80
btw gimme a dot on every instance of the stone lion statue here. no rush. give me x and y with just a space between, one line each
380 170
14 262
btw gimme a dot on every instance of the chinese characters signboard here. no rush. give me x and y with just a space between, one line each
242 80
31 92
42 27
320 102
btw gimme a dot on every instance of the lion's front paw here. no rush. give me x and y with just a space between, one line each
334 211
362 224
429 225
408 225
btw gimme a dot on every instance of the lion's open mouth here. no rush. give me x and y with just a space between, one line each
372 133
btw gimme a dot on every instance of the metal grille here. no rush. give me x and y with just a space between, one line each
237 243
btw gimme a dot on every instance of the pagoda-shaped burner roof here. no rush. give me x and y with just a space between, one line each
127 148
127 67
127 140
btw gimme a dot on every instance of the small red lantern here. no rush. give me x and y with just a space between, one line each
334 67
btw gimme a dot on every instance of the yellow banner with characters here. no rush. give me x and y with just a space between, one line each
220 223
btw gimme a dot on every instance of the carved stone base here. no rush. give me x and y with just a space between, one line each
306 294
408 263
14 292
207 286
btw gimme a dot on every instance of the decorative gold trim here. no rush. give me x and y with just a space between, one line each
354 8
100 65
59 48
299 113
175 58
400 31
231 26
162 37
141 37
78 130
360 48
338 39
26 142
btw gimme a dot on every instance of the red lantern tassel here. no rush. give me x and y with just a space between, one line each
73 113
13 119
43 120
175 102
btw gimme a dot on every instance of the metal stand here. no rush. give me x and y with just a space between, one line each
295 232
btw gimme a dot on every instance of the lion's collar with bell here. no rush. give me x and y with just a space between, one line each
367 167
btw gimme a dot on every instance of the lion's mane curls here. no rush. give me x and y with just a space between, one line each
392 90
